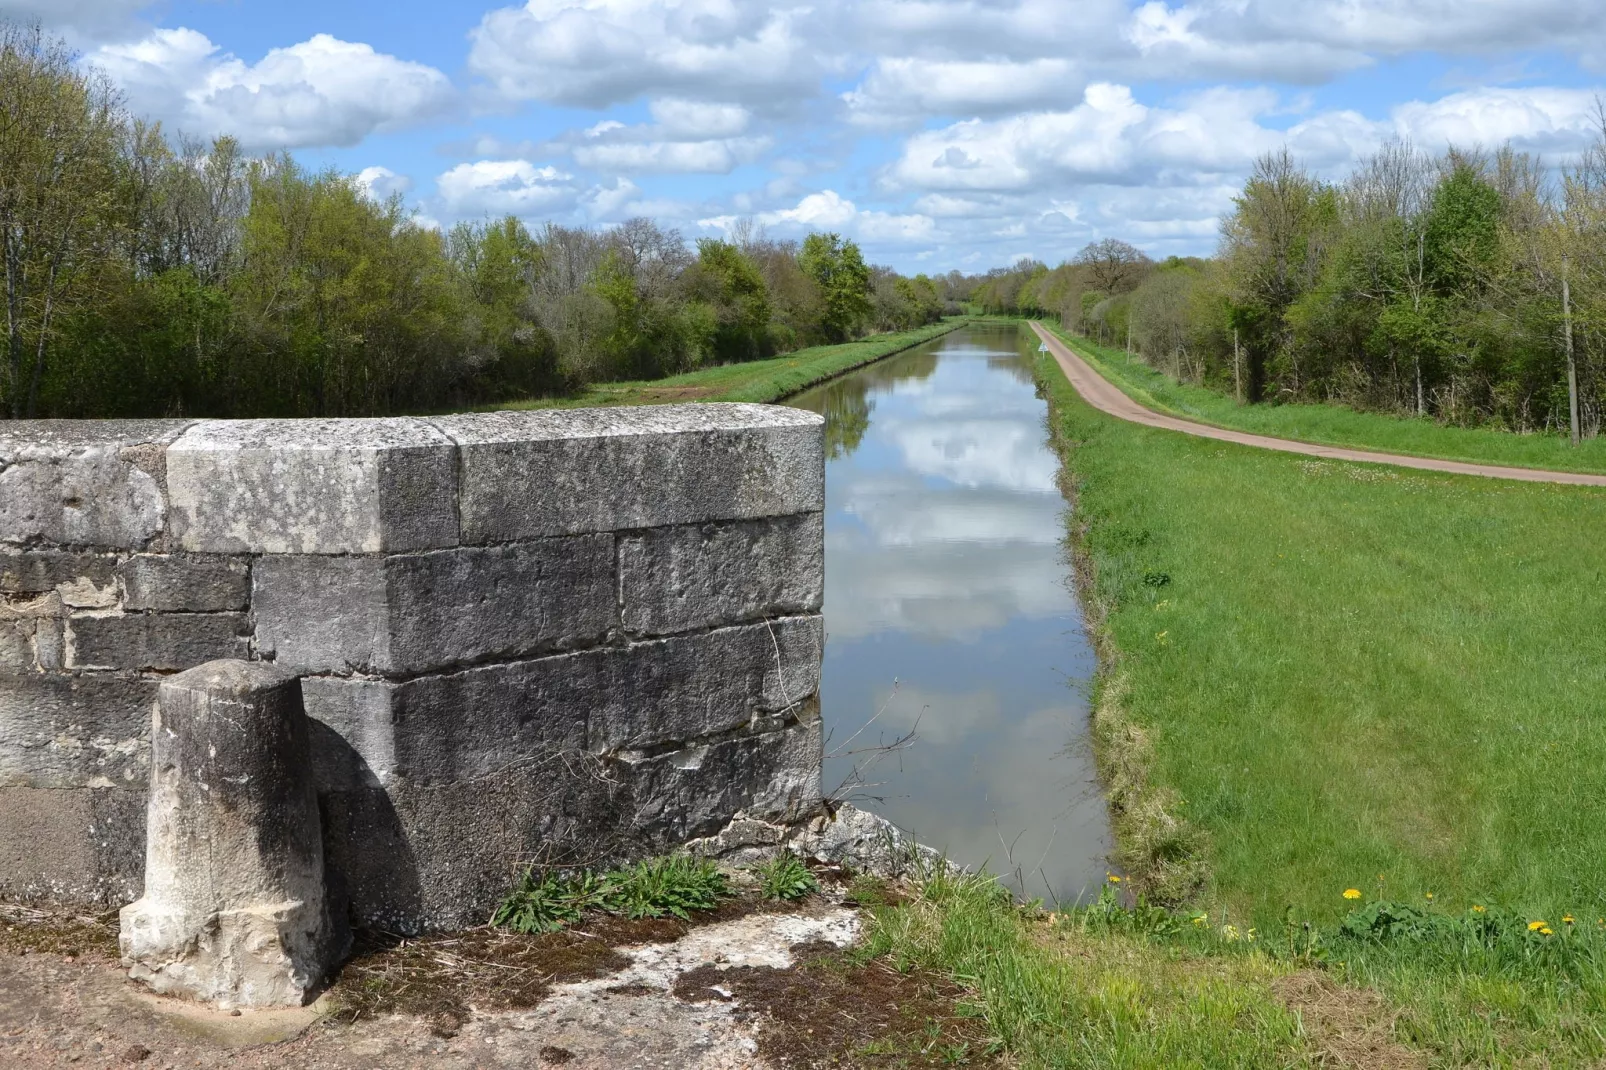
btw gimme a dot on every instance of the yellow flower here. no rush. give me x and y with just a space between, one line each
1535 926
1430 895
1568 918
1230 932
1163 638
1546 931
1200 919
1477 908
1352 893
1112 878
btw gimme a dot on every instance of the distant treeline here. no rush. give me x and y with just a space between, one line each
151 276
1443 286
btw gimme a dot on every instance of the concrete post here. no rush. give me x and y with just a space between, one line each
234 909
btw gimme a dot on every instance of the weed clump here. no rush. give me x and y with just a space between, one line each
670 885
785 878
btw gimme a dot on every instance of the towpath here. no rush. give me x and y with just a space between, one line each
1107 397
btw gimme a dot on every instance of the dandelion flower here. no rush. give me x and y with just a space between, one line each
1430 896
1546 931
1535 926
1112 878
1477 908
1352 893
1568 919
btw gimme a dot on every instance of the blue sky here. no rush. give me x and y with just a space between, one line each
938 133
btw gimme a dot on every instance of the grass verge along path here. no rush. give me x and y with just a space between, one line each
753 381
1335 425
1346 671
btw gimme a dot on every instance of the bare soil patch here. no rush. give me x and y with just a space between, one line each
831 1010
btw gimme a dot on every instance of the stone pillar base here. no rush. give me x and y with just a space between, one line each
259 956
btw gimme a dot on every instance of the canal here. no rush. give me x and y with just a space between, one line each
950 615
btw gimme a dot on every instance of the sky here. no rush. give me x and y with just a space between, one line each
939 134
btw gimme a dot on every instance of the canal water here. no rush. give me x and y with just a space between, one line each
949 614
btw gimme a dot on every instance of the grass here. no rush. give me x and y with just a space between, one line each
753 381
1320 677
669 885
1337 425
1388 985
1343 671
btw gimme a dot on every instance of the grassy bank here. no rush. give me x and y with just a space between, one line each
1323 678
756 381
1346 671
1338 425
1389 986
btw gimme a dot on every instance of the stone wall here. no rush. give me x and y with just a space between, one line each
557 637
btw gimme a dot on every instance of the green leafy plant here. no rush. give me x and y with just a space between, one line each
539 905
672 884
785 877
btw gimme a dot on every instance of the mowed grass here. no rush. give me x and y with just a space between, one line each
1338 425
754 381
1354 676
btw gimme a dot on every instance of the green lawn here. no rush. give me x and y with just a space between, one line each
757 380
1350 671
1321 676
1337 425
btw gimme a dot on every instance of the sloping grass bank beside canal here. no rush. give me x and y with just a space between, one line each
1324 679
752 381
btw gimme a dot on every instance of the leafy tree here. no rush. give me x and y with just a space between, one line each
60 132
839 272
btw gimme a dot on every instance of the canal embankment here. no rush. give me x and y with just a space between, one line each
1358 700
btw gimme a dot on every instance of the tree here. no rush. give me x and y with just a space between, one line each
1113 266
838 271
1274 243
60 209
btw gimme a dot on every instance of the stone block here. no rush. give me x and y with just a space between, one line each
692 792
38 571
449 728
404 857
560 472
72 845
406 613
74 731
192 583
673 690
313 486
159 641
675 579
645 696
234 907
83 482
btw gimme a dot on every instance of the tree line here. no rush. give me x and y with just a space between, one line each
1468 286
150 275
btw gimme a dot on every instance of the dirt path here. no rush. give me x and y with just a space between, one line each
1107 397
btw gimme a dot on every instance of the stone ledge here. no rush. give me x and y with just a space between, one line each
313 486
537 473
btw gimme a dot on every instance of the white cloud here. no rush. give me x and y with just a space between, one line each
82 21
593 53
498 187
323 91
605 202
910 89
697 119
381 183
1311 40
666 157
1557 122
829 210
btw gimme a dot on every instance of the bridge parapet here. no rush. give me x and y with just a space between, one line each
556 636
